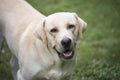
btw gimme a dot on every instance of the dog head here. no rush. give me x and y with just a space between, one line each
61 32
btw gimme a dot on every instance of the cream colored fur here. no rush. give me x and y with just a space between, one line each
27 33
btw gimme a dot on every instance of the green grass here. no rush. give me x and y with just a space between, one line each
5 69
99 51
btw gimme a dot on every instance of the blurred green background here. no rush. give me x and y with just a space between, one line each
99 51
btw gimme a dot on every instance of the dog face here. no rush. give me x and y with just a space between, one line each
61 32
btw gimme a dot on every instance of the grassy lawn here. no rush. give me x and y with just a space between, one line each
99 51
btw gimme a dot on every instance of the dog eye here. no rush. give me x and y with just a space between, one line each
70 26
54 30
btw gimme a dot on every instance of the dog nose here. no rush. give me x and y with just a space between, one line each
66 43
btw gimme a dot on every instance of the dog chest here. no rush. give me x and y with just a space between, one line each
54 73
50 73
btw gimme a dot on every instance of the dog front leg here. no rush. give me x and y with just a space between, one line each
19 76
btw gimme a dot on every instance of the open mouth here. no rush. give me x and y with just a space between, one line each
67 54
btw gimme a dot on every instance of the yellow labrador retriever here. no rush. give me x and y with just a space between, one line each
43 48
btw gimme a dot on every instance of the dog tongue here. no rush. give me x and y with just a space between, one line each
67 53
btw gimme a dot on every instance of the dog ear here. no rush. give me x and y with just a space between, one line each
40 32
82 25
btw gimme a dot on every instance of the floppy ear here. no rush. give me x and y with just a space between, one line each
40 32
82 25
